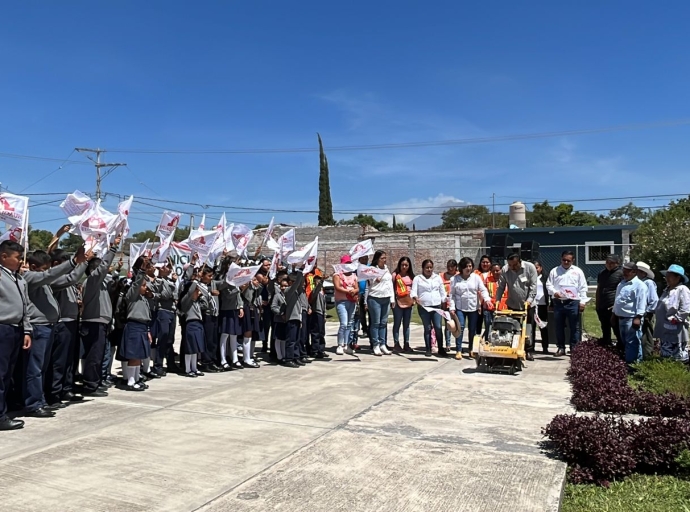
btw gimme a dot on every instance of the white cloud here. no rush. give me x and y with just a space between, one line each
411 209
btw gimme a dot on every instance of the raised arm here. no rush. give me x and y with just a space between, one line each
38 279
65 281
134 291
188 300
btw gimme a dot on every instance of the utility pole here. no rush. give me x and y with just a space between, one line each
99 165
493 210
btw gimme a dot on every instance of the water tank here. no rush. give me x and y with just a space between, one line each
517 215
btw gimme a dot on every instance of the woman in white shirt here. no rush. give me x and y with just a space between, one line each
379 298
672 312
541 303
464 290
428 291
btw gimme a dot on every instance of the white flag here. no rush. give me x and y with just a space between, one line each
275 263
345 268
241 236
13 234
76 204
161 254
365 272
201 242
287 241
361 249
273 245
202 224
13 209
269 231
444 314
306 255
98 244
168 224
123 215
229 244
220 243
136 251
96 222
239 276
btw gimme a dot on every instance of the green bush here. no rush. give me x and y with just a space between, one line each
660 376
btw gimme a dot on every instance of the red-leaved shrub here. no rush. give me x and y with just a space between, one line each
602 448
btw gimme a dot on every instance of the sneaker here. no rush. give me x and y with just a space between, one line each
458 356
350 351
339 350
385 351
377 350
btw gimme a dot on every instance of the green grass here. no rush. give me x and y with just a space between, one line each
636 493
590 322
661 376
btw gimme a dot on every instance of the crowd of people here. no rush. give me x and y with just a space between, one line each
64 318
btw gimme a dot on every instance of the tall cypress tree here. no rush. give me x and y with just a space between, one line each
395 225
325 204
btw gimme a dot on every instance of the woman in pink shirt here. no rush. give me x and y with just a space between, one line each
346 297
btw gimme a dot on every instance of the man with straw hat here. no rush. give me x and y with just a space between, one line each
645 274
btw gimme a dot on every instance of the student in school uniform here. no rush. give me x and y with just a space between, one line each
97 316
195 338
58 382
15 324
270 291
293 316
213 359
165 320
153 299
303 345
278 306
250 321
44 314
231 314
317 318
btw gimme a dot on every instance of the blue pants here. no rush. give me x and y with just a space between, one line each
55 379
35 363
468 319
562 311
488 317
632 338
430 320
11 340
292 350
345 310
166 336
93 335
401 316
378 309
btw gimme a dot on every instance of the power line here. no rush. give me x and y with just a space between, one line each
402 145
42 158
50 173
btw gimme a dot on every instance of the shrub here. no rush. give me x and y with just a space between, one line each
599 380
599 449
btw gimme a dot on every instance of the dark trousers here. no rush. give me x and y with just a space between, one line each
183 326
606 326
72 356
11 340
363 314
55 378
543 313
93 336
648 335
212 354
304 347
317 329
166 337
292 350
567 310
35 362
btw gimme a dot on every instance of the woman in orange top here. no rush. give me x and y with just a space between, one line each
491 283
402 311
446 277
483 270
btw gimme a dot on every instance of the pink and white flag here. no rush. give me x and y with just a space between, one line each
444 314
168 224
361 249
136 251
268 235
345 268
239 276
123 209
201 241
202 224
241 236
75 204
306 255
275 263
96 222
13 234
13 209
287 241
365 272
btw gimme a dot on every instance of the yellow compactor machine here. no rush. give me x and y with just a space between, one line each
504 348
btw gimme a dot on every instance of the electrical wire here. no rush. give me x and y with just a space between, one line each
50 173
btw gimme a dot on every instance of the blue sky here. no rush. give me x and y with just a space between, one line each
238 75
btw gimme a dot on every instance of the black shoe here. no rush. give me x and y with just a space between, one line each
173 368
529 356
55 406
560 352
227 367
191 375
68 396
306 360
40 413
99 393
160 372
143 384
299 362
135 387
104 387
427 353
237 366
9 424
322 355
545 351
442 352
251 364
290 364
200 374
213 368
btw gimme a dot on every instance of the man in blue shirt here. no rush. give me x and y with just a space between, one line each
629 310
645 274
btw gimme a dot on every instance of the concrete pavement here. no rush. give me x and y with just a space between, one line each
397 433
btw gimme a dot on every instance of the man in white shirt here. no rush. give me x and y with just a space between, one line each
567 287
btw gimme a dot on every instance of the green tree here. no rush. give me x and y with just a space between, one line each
664 238
398 227
544 215
325 204
628 214
261 226
180 234
39 239
466 217
142 236
71 242
365 220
